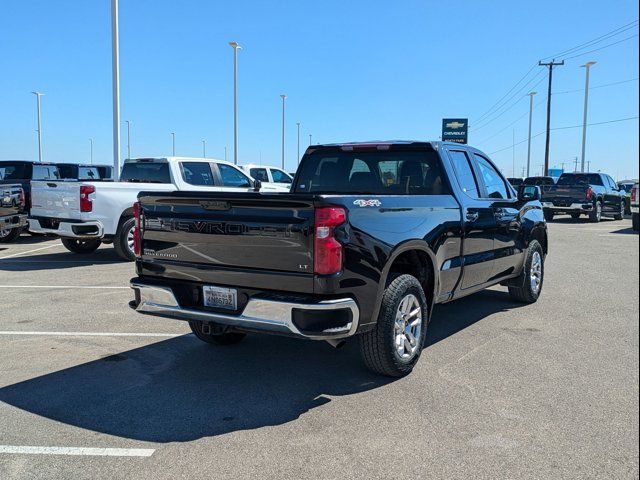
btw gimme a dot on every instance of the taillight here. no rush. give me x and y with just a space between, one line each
86 204
327 257
634 195
137 233
23 201
589 193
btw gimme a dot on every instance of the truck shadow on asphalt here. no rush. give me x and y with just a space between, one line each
181 389
59 260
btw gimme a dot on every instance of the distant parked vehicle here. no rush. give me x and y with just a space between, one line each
74 171
627 185
85 214
13 212
24 171
515 182
539 181
272 176
634 207
575 194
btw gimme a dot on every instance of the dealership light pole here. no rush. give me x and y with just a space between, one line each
298 125
128 139
173 143
91 151
283 97
531 95
587 67
235 47
115 58
309 139
38 95
204 148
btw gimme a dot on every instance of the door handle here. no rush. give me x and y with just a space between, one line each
472 216
52 185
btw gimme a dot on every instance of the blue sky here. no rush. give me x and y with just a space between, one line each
357 70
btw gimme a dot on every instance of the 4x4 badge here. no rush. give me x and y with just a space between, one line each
367 203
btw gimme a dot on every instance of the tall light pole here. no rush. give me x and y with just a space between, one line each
283 97
128 139
531 95
173 143
587 67
38 95
204 148
309 139
298 125
91 151
225 154
235 47
115 57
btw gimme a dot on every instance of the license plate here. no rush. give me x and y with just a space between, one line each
220 297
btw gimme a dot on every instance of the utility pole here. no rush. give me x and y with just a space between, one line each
115 58
283 97
575 163
235 47
562 165
91 151
531 95
587 66
204 148
128 139
298 125
309 139
550 66
588 166
225 154
38 95
173 142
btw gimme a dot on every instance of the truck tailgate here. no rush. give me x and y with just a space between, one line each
563 196
55 199
209 236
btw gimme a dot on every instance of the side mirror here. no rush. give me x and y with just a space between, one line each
257 185
529 193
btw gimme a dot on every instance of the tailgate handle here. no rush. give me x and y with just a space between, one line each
52 185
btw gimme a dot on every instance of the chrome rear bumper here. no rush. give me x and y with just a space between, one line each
13 221
261 314
584 207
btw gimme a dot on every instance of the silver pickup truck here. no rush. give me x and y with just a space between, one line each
13 215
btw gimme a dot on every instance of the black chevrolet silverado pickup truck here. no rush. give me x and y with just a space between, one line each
592 194
370 238
13 212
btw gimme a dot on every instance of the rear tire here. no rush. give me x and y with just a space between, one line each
620 215
123 241
635 221
9 235
548 215
596 214
81 245
531 279
394 346
229 338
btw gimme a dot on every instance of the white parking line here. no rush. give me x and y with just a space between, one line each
101 452
31 251
91 287
91 334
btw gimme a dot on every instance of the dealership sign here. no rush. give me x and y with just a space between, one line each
455 130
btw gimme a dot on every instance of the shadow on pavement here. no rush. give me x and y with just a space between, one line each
181 389
59 260
627 231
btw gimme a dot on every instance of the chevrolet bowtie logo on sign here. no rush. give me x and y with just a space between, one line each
455 130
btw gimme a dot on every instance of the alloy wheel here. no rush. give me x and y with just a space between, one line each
408 327
535 275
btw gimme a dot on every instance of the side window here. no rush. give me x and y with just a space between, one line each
259 174
464 173
496 188
197 173
279 176
232 177
45 172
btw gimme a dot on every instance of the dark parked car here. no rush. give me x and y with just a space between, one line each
370 238
575 194
13 213
627 186
515 182
540 181
22 172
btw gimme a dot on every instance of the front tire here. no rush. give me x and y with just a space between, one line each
532 277
635 221
8 235
620 216
123 241
394 346
228 338
596 214
81 245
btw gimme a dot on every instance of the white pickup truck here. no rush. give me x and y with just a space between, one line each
86 214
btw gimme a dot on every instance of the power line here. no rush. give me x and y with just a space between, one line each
597 86
602 48
512 123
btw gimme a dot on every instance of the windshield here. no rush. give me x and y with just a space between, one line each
539 181
146 172
13 171
580 179
377 173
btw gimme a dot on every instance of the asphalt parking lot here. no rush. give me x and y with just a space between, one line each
89 389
